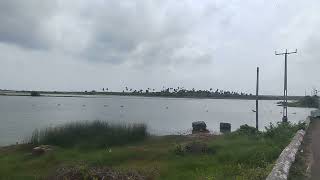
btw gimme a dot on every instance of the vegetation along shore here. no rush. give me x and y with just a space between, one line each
97 150
168 93
306 101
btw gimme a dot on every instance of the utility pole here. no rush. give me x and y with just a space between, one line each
285 92
257 100
305 92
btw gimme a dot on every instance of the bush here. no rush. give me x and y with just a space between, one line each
278 131
283 128
91 134
282 132
247 130
253 148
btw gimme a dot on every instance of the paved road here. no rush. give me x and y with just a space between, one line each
315 148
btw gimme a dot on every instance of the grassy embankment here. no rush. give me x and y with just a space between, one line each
243 154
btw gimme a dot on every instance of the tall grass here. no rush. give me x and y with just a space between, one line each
249 153
89 134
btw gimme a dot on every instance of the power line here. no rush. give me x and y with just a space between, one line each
285 89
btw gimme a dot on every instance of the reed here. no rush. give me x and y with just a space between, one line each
89 133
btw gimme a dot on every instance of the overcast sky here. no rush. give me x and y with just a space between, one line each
85 45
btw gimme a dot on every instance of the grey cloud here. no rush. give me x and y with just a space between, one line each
167 38
145 32
22 22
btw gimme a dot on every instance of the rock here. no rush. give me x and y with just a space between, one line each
199 126
37 151
225 127
41 150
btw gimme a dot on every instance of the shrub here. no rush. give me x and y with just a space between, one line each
283 130
252 148
247 130
91 134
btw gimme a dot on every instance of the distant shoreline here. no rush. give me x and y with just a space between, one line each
101 94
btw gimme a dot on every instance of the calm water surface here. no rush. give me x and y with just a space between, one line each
19 116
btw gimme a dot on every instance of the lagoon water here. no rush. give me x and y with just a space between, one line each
20 115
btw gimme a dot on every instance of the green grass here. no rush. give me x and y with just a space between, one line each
89 134
244 154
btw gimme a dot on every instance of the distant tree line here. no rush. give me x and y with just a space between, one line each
34 93
175 92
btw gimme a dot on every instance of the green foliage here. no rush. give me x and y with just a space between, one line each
252 150
35 93
307 101
310 101
243 154
89 134
282 132
246 130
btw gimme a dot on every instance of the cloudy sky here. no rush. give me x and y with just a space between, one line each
85 45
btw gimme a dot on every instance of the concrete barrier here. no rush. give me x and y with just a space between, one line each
281 169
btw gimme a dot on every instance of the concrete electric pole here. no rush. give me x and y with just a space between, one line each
285 92
257 100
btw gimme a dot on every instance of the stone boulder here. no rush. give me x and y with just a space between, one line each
199 126
39 150
225 127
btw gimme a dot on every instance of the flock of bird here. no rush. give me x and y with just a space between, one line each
122 106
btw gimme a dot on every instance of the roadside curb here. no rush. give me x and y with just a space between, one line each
282 166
